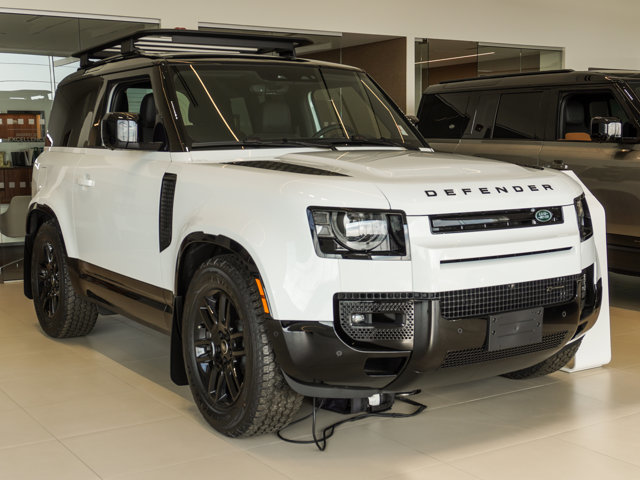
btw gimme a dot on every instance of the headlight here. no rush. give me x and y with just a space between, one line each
364 234
584 218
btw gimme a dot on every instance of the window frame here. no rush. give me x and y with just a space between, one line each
565 91
539 124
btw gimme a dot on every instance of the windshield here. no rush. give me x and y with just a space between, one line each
254 104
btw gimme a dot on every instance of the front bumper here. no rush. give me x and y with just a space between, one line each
410 340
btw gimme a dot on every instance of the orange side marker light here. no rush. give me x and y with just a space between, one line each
265 306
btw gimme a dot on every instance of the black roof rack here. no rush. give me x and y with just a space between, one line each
167 41
508 75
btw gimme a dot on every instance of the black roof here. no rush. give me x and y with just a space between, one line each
556 77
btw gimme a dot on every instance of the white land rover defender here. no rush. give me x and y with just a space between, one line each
293 233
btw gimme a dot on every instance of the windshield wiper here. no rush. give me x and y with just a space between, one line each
385 142
257 143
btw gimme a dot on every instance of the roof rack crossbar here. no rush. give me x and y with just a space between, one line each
507 75
157 41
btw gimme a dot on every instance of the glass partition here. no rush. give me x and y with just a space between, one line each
34 58
438 60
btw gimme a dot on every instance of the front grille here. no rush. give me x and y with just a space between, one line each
478 302
495 220
470 356
373 333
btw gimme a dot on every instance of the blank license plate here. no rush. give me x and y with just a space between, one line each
515 329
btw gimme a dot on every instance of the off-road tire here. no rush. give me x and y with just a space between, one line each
233 375
550 365
61 311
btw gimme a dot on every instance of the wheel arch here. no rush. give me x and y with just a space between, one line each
195 249
37 216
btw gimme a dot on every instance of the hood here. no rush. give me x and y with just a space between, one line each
422 183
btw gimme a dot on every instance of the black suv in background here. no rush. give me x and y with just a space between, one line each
587 120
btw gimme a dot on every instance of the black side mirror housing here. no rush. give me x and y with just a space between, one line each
119 130
606 129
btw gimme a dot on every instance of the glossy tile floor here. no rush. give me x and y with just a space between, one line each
104 407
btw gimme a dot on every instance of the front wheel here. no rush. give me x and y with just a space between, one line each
552 364
61 311
234 378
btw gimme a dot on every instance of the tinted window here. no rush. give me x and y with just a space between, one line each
72 117
578 109
518 115
128 98
444 115
485 113
136 96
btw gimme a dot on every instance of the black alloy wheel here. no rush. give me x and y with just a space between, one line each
48 279
233 374
61 311
219 349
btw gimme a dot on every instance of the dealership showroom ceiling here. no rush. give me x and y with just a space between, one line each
344 251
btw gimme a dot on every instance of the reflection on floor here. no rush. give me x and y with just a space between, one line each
11 262
104 407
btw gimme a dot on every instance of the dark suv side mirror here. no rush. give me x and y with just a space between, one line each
120 130
606 129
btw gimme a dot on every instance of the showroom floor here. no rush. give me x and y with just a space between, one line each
103 406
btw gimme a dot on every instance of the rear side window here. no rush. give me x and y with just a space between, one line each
518 115
72 118
444 115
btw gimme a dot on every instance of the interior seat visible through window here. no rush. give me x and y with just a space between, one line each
575 127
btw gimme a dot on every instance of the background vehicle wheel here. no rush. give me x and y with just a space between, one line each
234 378
550 365
60 310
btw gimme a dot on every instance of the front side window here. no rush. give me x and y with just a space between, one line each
577 110
260 104
518 115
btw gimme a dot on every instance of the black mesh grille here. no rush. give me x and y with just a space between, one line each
477 355
495 220
287 167
478 302
370 333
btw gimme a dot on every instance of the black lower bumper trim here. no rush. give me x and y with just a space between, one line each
478 355
319 361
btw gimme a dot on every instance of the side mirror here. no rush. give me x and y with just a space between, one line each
120 130
606 129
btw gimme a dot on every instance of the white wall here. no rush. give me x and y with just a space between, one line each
593 33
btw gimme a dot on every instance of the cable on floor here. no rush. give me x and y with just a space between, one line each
320 441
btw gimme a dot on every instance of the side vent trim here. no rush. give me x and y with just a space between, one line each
165 221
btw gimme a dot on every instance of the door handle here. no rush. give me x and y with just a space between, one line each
86 181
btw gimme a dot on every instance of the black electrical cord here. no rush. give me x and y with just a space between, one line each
328 431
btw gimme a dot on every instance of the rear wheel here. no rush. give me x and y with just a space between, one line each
232 372
60 310
550 365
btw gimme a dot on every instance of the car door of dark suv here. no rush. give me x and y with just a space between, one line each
611 170
506 125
